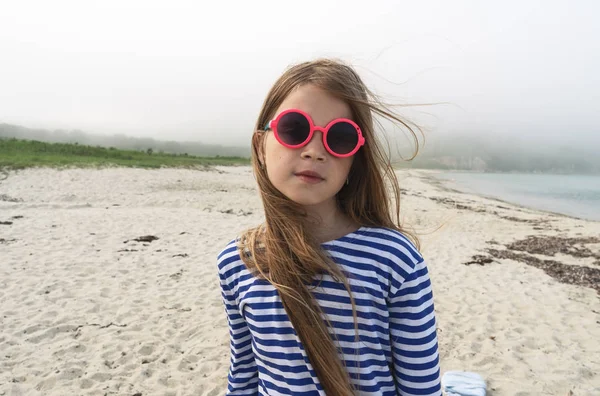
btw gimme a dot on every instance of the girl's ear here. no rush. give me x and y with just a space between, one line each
260 145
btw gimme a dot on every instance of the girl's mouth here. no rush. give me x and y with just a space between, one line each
309 177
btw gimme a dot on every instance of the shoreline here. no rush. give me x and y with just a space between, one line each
445 184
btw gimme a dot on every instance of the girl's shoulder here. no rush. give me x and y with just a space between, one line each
386 251
381 239
229 255
231 269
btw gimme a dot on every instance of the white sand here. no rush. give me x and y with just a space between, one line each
81 316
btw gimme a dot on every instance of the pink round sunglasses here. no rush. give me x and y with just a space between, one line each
294 129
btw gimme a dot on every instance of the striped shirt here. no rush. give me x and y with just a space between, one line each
397 349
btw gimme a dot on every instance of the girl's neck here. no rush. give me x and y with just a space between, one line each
327 222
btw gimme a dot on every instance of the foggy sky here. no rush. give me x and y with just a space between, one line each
199 70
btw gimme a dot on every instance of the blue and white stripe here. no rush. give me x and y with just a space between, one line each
396 351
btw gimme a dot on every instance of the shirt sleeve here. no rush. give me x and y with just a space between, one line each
242 378
413 335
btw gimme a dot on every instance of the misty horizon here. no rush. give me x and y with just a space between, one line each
184 71
456 152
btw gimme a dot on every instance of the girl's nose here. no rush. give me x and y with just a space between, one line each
315 149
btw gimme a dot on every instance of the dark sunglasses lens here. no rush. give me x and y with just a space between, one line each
342 138
293 128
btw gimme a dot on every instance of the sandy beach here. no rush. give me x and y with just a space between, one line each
108 283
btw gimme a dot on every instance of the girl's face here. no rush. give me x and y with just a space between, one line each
285 166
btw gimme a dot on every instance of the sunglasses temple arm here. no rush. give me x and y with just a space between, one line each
268 126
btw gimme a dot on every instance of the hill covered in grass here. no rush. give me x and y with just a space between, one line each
123 142
19 154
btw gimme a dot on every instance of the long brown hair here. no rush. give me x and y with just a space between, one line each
283 251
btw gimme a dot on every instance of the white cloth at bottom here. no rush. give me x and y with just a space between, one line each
462 383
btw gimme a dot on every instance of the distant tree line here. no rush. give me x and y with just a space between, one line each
122 142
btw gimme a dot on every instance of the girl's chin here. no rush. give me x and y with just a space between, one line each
312 196
306 200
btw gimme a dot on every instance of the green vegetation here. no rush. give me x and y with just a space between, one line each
123 142
19 154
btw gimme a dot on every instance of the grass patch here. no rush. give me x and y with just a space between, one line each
20 154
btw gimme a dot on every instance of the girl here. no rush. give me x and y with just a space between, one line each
329 296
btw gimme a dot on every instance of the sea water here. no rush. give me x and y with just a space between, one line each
572 195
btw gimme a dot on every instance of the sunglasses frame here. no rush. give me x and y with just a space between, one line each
313 128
